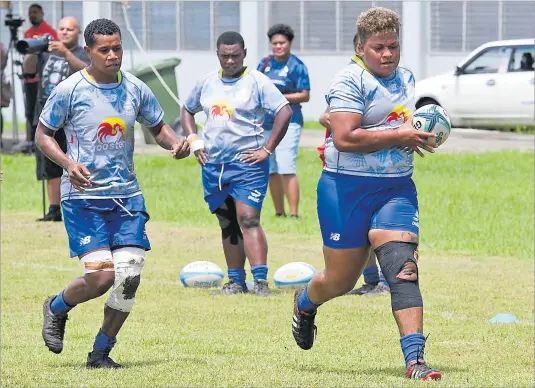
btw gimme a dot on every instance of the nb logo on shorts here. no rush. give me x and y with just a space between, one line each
85 240
255 196
335 237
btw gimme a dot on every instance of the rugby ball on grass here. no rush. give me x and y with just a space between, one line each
433 118
293 275
201 274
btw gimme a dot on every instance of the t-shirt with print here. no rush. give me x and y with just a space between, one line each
53 69
290 76
384 103
98 120
235 111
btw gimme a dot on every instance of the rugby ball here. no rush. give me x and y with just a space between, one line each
433 118
201 274
293 275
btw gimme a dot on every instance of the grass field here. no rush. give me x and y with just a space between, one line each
477 220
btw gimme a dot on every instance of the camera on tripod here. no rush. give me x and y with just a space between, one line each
35 45
13 23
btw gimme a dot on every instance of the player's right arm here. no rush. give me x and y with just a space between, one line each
346 102
52 118
187 121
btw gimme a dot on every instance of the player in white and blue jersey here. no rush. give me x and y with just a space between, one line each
374 280
103 208
366 196
234 155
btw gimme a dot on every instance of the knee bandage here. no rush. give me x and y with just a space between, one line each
392 257
128 263
228 220
97 261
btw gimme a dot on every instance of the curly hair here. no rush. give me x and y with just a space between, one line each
100 27
377 20
230 38
281 29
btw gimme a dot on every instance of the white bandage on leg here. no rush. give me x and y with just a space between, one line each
97 261
128 263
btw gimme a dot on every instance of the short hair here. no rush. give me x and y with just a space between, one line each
377 20
281 29
35 5
230 38
100 27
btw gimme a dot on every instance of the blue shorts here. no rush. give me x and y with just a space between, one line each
284 158
243 182
105 223
350 206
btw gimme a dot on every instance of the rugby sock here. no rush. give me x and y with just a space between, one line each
259 272
382 279
102 342
53 209
58 305
412 346
238 275
371 275
304 304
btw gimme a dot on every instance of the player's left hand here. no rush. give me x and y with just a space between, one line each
180 149
254 156
57 47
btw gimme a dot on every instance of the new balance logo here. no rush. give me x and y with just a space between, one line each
255 196
85 240
335 236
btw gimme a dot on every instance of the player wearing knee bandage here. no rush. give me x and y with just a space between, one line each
103 208
366 196
234 155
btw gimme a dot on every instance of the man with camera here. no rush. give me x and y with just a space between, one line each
63 58
38 29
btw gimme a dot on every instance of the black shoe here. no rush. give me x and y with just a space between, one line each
52 216
53 327
231 287
303 327
294 217
101 359
281 215
261 288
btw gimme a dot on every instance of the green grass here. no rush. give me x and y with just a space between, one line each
476 261
470 204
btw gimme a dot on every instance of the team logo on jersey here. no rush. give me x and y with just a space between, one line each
111 133
221 111
399 115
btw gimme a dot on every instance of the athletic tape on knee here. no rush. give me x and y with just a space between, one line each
128 263
392 257
228 220
97 261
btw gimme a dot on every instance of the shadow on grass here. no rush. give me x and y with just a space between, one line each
138 363
373 371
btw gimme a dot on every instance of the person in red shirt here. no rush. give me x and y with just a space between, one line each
38 28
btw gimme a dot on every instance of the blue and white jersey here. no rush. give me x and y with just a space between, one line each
290 76
235 111
98 120
384 103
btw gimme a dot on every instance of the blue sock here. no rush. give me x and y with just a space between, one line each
371 274
58 305
238 275
412 346
259 272
304 304
102 341
382 279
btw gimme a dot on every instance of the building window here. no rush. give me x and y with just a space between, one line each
322 26
462 26
177 25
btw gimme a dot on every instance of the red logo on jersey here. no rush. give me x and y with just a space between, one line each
111 130
399 113
221 111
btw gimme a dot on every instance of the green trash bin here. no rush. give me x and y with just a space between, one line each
166 68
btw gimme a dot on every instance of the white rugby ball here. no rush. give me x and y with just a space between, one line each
433 118
293 275
201 274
